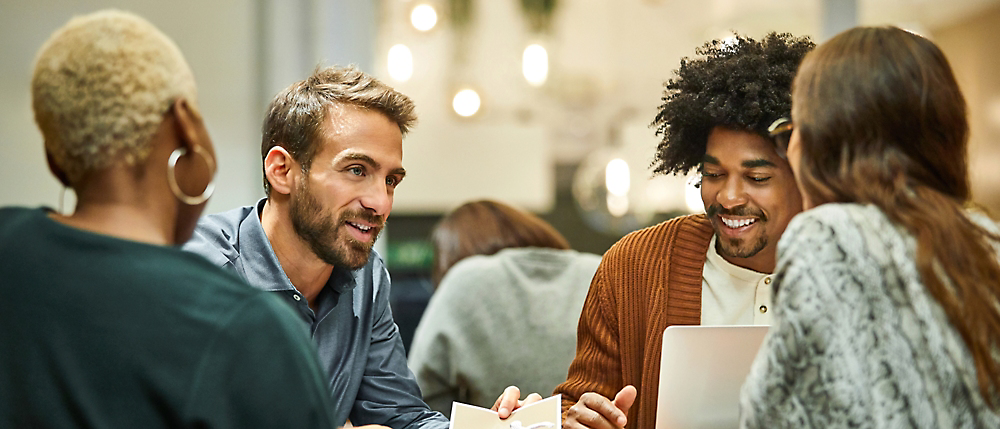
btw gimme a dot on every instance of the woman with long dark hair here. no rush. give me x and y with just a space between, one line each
887 288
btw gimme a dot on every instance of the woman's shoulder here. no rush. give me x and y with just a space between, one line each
837 224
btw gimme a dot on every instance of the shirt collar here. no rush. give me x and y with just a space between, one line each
744 274
262 267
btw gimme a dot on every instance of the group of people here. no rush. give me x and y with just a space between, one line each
883 296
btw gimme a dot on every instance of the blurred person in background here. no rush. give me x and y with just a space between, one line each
888 286
105 323
711 269
498 269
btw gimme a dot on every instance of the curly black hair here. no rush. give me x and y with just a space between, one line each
740 84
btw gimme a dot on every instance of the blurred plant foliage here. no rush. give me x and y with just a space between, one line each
537 12
460 12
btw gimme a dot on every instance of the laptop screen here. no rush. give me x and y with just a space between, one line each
702 369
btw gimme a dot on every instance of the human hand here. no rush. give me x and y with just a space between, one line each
510 401
595 411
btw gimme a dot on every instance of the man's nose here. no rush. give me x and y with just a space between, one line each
733 193
378 198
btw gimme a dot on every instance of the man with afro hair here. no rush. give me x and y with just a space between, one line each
709 269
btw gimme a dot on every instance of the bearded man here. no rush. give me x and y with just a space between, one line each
332 154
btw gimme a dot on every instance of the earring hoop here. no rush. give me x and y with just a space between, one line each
172 176
62 196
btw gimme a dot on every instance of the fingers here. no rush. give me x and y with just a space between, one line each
596 412
507 402
530 399
625 398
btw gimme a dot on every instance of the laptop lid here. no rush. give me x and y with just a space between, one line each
702 369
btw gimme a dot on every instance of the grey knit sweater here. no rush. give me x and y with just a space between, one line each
857 340
501 320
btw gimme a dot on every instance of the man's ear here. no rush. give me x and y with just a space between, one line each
56 171
281 170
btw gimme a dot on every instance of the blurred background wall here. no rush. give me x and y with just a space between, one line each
545 145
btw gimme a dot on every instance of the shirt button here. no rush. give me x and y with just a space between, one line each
763 309
767 280
296 297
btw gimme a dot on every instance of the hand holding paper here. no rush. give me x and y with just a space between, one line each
536 414
510 401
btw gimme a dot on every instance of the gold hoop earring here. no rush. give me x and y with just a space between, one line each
172 176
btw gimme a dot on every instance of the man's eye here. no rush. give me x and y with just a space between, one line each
357 171
391 181
710 175
760 179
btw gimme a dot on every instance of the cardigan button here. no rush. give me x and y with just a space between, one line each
763 309
767 280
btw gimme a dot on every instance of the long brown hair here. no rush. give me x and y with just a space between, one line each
485 227
881 121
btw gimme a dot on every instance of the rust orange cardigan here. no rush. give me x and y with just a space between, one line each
647 281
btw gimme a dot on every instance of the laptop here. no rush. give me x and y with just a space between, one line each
702 369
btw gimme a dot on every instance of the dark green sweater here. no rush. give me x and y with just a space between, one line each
100 332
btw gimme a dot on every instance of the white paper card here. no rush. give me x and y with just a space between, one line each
544 414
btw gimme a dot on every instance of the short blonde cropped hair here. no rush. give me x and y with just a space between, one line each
100 88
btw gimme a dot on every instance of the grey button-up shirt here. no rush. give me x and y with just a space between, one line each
358 342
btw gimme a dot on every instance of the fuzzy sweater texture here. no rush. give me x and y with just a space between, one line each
857 340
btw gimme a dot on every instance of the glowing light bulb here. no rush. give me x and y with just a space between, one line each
535 64
466 102
423 17
400 63
616 177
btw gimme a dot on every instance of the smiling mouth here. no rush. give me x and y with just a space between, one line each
362 228
737 223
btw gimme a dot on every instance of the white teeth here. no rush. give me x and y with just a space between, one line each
737 223
361 227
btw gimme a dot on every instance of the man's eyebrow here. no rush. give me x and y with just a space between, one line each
401 172
360 157
750 163
759 162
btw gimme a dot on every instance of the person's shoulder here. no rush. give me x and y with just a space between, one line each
190 270
691 232
831 234
211 292
261 307
837 221
477 268
11 216
216 235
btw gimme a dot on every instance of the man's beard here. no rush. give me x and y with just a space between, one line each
738 247
323 234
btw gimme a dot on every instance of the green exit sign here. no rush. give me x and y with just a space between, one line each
410 254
